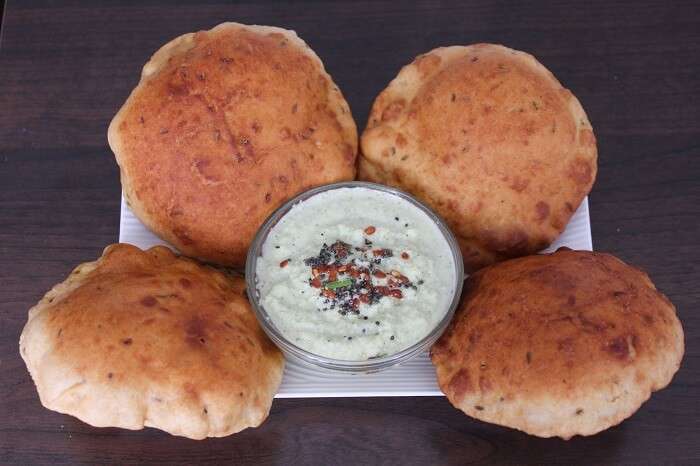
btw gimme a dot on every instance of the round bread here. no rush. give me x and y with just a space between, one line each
490 139
564 344
224 126
145 338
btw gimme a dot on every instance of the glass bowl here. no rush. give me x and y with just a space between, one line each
293 351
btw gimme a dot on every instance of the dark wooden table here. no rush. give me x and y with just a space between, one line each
66 67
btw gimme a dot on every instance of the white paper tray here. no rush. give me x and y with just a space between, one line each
414 378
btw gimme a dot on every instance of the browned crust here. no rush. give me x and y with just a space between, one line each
558 345
224 126
491 140
144 338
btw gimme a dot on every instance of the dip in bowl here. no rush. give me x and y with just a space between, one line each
354 277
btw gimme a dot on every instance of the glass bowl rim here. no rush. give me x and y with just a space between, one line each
343 365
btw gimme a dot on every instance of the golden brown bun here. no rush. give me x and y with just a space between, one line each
224 126
490 139
564 344
144 338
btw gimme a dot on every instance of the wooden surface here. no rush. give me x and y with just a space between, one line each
66 67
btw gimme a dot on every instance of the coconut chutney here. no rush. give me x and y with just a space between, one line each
355 273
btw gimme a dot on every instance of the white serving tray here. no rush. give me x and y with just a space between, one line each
414 378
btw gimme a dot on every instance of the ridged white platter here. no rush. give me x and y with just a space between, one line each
414 378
